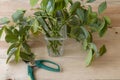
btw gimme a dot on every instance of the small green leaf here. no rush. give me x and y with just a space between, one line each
89 58
107 19
24 30
17 54
4 20
26 48
93 47
103 28
86 33
90 1
102 50
11 38
93 15
18 15
102 7
59 4
8 31
77 33
80 13
11 47
90 38
1 31
10 53
85 44
27 57
89 9
35 26
74 7
33 2
43 4
48 5
103 31
44 24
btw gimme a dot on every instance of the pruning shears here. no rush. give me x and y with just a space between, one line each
40 64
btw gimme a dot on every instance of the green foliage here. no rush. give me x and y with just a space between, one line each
49 19
74 7
17 35
48 5
33 2
102 50
1 31
18 15
89 58
4 20
102 7
107 19
10 53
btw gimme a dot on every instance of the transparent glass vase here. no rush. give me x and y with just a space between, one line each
55 45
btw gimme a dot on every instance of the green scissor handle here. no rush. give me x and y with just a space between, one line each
40 64
31 73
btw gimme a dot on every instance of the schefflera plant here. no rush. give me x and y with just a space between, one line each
17 32
81 21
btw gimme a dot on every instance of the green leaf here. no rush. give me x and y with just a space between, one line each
67 2
90 1
103 28
102 7
93 47
8 31
26 48
103 31
10 53
90 38
80 13
27 57
107 19
11 47
48 5
11 38
85 44
102 50
18 15
89 58
94 15
43 4
17 54
4 20
74 21
33 2
44 24
89 9
74 7
59 4
101 25
1 31
86 33
77 33
24 31
35 26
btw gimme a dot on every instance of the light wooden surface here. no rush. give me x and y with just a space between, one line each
106 67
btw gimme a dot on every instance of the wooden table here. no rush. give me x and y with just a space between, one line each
106 67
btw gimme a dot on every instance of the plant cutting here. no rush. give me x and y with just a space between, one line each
51 18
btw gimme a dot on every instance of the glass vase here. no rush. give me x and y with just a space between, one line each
55 44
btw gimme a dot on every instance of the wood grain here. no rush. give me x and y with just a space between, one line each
106 67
